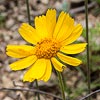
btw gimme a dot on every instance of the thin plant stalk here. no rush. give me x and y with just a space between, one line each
28 12
29 21
65 86
38 95
87 39
61 84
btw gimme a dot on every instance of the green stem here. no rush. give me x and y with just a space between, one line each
61 84
28 12
87 39
65 86
38 95
29 21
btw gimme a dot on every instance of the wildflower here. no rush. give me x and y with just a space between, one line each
50 40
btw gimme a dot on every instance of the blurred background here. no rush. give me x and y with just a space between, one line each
13 13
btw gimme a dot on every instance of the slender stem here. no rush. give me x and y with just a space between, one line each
29 21
61 84
65 86
87 39
28 12
38 95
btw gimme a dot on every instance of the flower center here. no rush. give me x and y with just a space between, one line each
47 48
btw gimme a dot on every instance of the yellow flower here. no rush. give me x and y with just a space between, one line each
50 40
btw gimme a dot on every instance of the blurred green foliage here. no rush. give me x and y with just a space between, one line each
2 19
98 1
94 37
94 43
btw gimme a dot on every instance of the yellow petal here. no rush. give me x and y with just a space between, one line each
41 27
69 60
77 31
58 26
20 51
29 80
51 20
48 71
23 63
73 48
29 33
66 28
57 65
36 71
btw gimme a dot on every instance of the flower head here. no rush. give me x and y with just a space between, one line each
51 40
